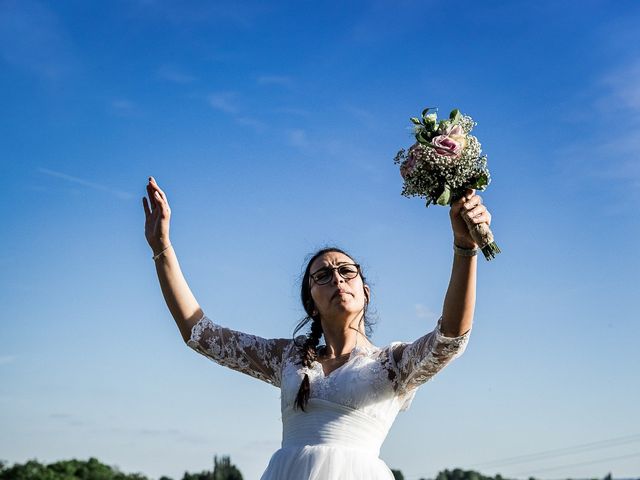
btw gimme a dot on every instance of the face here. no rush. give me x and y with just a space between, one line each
340 299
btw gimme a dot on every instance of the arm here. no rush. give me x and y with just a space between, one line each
258 357
414 363
180 300
250 354
182 304
460 300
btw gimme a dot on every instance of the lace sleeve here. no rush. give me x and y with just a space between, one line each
417 362
256 356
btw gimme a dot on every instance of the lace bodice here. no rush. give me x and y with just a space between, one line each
378 381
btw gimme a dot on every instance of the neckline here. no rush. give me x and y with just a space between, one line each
350 357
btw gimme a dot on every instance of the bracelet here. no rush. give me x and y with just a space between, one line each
155 257
464 252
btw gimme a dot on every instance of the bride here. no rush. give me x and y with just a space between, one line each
339 399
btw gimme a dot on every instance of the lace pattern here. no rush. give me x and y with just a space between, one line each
413 364
256 356
377 381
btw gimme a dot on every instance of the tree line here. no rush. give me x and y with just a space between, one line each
223 469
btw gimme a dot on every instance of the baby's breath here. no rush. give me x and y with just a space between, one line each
433 171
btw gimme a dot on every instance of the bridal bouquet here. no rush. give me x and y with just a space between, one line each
446 160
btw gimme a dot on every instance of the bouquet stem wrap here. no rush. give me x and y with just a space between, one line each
483 236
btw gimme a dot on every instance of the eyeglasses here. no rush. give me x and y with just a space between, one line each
346 271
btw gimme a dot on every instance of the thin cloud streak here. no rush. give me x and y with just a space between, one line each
124 108
175 75
424 312
118 193
224 101
7 359
279 80
297 138
623 89
31 38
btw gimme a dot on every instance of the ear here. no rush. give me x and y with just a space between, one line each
367 293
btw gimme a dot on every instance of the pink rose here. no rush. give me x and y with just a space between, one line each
451 142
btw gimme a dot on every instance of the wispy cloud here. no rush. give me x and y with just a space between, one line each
607 157
198 12
251 122
176 434
279 80
124 108
67 419
175 75
293 111
623 88
31 37
229 103
364 117
96 186
297 137
7 359
224 101
424 312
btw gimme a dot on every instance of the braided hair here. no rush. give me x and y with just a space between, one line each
308 350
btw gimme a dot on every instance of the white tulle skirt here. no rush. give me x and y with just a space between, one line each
329 442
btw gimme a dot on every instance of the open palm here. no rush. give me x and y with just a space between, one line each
157 216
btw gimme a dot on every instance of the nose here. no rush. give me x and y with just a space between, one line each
337 278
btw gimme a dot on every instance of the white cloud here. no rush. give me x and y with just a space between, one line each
297 137
224 101
32 38
424 312
7 359
175 75
118 193
251 123
123 108
623 87
363 116
280 80
293 111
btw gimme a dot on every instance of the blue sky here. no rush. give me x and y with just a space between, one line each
272 128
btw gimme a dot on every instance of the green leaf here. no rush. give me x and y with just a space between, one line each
424 114
415 120
454 116
481 181
420 138
445 196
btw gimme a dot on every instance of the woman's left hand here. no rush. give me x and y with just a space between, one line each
470 206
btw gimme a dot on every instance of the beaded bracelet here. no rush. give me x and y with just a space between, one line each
155 257
464 252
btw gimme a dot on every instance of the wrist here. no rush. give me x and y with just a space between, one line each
160 249
462 243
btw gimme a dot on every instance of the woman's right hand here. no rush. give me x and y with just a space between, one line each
156 225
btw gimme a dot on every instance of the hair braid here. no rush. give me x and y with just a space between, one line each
308 352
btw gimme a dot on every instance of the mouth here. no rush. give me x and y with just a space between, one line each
341 292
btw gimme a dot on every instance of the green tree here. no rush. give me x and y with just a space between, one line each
223 469
397 474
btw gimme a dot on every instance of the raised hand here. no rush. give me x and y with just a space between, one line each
157 216
471 207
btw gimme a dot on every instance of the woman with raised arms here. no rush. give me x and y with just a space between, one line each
339 397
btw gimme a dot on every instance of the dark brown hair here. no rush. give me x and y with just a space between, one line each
308 348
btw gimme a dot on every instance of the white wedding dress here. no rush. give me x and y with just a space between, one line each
350 410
